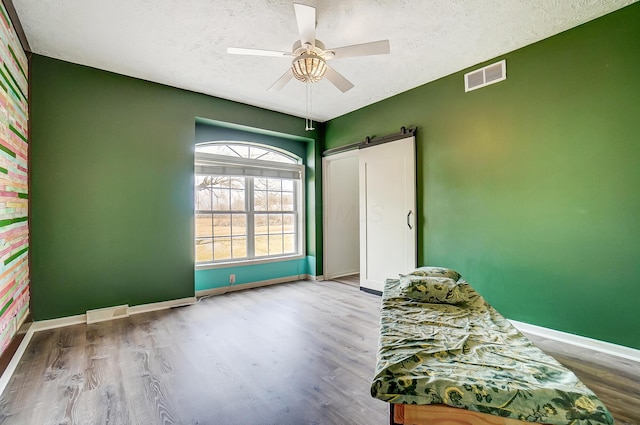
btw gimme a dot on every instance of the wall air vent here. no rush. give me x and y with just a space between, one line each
484 76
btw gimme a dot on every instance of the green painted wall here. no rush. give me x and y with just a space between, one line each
530 187
210 131
111 186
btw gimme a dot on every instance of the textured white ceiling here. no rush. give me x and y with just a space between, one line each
183 43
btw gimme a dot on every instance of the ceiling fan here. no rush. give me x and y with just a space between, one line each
310 56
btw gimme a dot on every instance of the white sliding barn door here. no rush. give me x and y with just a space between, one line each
387 212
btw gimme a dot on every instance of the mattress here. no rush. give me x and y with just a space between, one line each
466 355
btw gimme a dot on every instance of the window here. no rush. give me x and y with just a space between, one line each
248 203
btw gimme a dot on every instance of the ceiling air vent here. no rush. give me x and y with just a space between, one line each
484 76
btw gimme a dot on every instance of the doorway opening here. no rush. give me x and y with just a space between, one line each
370 213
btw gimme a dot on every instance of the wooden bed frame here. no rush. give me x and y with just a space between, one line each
439 414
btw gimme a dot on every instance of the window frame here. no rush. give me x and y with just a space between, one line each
250 169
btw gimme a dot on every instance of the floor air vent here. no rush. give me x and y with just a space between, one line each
109 313
490 74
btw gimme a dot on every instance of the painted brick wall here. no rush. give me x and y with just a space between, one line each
14 229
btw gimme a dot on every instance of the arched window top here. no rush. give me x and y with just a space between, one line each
248 151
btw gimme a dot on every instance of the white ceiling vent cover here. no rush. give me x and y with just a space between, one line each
109 313
490 74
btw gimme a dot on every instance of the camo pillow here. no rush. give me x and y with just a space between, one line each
436 272
439 290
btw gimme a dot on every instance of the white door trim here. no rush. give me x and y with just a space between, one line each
328 272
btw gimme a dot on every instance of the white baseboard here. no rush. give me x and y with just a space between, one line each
11 367
13 363
580 341
258 284
162 305
42 325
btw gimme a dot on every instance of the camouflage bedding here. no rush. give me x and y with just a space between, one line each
466 355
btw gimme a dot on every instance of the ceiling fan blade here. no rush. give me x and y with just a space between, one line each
365 49
282 81
338 80
256 52
306 18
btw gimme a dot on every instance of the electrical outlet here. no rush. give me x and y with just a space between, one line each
232 279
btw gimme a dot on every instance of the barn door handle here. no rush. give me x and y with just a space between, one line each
408 219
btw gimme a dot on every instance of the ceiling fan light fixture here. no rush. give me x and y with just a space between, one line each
309 67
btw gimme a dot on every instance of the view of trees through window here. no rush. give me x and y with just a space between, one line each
245 217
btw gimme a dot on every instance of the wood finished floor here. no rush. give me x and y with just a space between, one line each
299 353
614 379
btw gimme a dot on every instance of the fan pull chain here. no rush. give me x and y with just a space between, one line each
308 122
